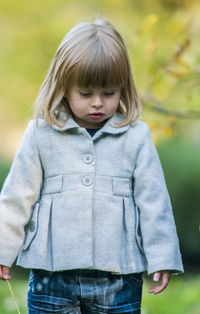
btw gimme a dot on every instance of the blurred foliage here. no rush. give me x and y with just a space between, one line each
4 169
180 161
183 293
161 35
180 297
7 304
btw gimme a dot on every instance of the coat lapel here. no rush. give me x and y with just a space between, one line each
109 127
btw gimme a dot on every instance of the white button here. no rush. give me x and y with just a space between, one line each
87 158
87 180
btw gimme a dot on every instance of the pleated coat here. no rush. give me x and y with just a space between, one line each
75 201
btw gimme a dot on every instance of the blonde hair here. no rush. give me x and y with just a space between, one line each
91 55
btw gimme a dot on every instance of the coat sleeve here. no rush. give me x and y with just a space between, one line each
20 191
157 226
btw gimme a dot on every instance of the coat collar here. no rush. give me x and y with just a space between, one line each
107 127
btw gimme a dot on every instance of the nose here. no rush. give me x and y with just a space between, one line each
97 102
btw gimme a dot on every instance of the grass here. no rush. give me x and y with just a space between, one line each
7 304
181 296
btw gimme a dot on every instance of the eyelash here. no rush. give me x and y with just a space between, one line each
88 94
108 94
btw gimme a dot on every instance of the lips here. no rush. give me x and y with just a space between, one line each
96 115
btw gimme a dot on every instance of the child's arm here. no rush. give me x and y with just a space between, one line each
4 272
162 276
20 192
158 230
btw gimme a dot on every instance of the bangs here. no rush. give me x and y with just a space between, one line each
99 68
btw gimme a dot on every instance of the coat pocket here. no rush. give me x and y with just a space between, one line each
121 186
138 234
31 228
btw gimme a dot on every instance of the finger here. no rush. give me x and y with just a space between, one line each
1 272
164 282
156 276
6 271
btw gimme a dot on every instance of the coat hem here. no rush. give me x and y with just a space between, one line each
129 270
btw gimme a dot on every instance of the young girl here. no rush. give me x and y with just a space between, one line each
85 205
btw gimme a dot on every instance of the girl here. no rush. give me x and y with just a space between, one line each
85 205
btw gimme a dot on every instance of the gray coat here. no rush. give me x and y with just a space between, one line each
72 201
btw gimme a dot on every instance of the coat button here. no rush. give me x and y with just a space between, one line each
87 180
31 226
87 158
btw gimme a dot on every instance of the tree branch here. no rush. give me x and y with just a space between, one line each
152 103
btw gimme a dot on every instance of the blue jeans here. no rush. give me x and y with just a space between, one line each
84 291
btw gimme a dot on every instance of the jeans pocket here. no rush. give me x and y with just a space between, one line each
120 294
48 292
37 274
34 274
49 304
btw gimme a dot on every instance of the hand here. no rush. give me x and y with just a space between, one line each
164 276
4 272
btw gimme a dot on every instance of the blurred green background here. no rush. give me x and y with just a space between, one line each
162 37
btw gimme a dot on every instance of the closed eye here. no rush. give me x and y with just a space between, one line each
109 93
85 94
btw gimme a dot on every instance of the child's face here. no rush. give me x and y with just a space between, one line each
92 107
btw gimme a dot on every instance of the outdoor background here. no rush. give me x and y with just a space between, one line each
163 40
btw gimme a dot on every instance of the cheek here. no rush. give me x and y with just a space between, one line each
116 99
112 108
77 110
76 105
115 103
